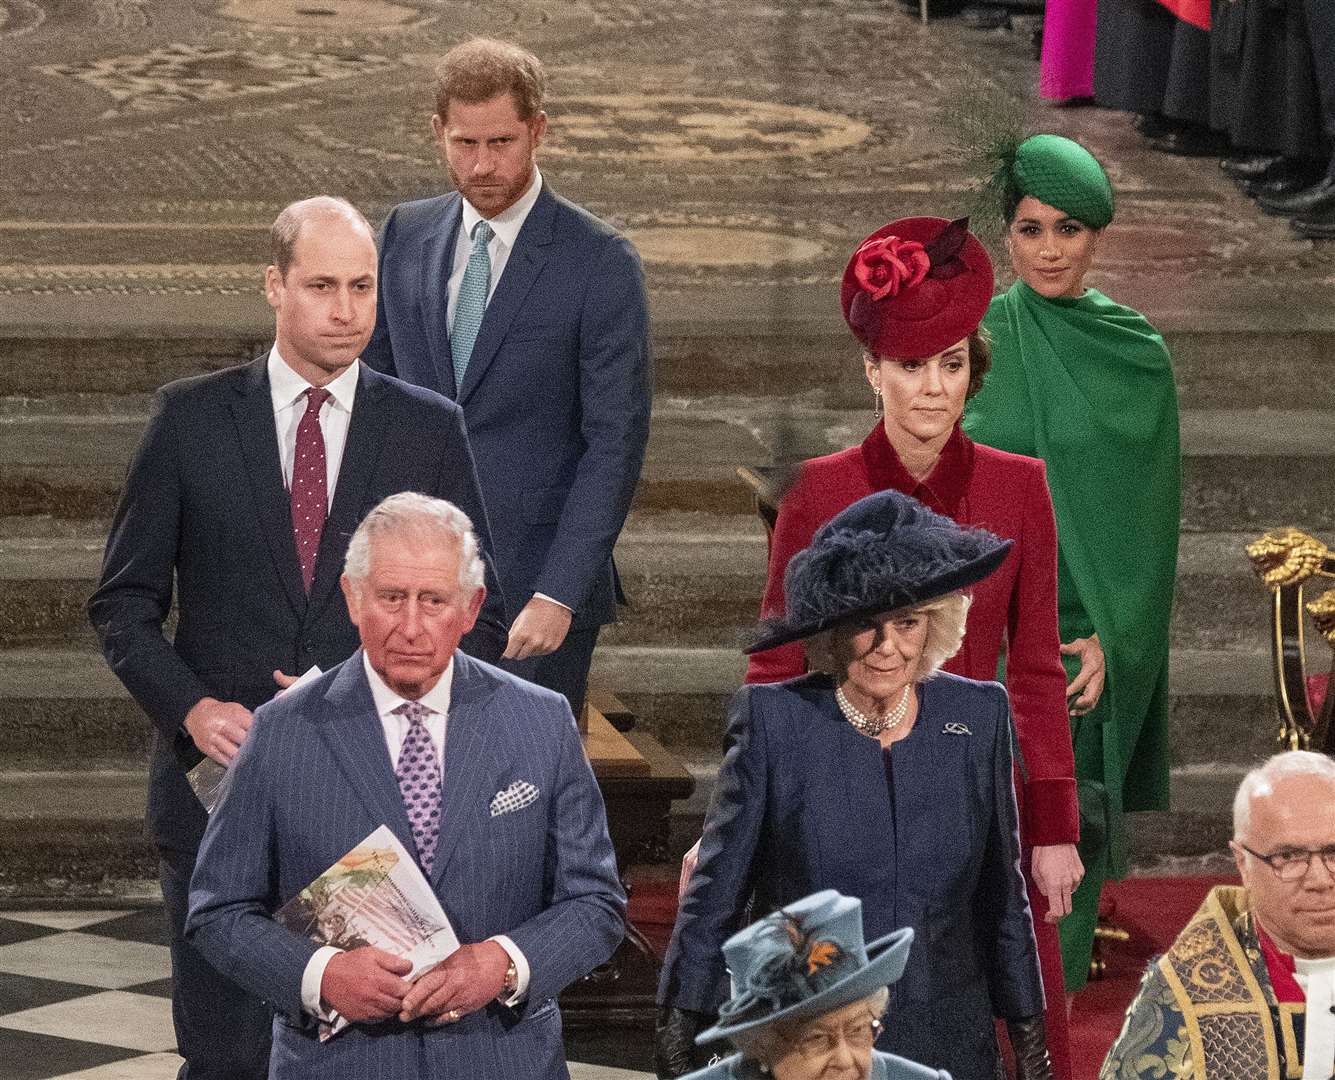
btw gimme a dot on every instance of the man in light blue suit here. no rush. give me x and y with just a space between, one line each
479 774
531 314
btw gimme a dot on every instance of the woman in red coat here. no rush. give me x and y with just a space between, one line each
924 356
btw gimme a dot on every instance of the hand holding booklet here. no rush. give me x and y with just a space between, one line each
209 780
374 895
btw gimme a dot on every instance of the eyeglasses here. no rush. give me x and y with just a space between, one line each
821 1043
1292 864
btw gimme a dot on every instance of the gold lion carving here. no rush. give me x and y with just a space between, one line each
1286 557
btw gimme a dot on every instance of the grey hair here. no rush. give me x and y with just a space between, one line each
1262 779
946 619
412 512
287 226
765 1044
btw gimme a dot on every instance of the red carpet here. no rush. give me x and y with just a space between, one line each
1152 910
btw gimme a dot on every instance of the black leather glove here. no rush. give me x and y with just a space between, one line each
674 1040
1029 1043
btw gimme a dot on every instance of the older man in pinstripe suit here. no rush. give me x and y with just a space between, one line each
478 773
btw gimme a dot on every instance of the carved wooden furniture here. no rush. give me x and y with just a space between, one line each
639 781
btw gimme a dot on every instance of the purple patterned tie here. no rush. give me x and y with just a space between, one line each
310 483
419 782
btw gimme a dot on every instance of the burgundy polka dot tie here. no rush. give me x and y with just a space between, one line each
310 490
419 782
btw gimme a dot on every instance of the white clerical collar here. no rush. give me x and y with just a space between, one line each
1317 978
508 222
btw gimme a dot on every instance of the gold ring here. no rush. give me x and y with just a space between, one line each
452 1015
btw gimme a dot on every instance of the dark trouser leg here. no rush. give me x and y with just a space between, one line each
1321 32
566 670
222 1032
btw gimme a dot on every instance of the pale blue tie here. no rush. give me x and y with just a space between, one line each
472 302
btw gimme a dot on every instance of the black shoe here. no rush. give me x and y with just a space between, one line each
1251 166
1151 125
1293 176
1316 199
1316 226
1190 141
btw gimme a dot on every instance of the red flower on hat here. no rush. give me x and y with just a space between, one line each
884 265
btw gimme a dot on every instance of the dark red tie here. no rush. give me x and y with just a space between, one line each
310 493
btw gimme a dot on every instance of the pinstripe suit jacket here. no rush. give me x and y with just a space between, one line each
314 777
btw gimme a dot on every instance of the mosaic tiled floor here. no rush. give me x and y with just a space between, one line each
85 995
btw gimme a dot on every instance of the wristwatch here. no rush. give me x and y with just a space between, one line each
511 984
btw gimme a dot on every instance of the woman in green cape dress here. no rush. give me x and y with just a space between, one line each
1086 384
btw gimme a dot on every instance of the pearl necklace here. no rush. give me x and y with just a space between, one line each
872 726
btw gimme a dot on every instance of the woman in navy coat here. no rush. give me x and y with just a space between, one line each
882 778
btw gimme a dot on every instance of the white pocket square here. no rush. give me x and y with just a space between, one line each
517 796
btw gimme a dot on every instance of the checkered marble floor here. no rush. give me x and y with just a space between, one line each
86 995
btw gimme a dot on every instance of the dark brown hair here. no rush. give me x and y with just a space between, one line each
480 69
980 359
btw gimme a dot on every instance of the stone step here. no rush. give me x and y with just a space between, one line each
690 584
815 360
64 707
1221 701
80 832
704 588
71 832
73 753
1243 469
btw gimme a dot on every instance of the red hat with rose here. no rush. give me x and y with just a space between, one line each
917 286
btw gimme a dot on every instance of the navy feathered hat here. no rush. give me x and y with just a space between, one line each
884 552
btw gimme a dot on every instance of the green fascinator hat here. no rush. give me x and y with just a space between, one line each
1062 173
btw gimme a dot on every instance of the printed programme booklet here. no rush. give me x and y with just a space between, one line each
375 895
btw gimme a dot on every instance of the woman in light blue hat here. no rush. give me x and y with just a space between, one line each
808 997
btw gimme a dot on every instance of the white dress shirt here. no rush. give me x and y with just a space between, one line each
505 228
1317 978
286 388
437 700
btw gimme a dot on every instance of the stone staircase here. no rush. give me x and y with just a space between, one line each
1259 451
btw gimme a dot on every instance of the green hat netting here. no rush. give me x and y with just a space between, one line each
1062 173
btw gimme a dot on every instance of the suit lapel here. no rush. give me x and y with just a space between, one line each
252 410
437 263
466 775
361 454
356 738
521 271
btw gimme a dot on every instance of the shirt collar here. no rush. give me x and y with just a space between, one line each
508 222
943 488
286 386
437 699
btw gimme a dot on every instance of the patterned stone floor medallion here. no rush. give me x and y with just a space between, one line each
644 127
322 15
180 74
18 17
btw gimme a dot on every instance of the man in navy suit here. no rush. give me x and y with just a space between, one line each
479 774
531 313
244 491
